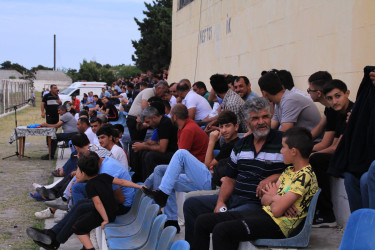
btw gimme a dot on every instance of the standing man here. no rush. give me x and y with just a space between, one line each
49 106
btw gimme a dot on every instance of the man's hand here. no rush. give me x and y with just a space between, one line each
215 136
218 206
44 124
372 77
43 115
291 212
138 146
73 173
211 126
261 186
271 189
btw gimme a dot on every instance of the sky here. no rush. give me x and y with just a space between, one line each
98 30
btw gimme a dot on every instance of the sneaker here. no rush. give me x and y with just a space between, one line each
158 196
44 214
36 185
46 157
324 221
173 223
59 203
47 193
39 235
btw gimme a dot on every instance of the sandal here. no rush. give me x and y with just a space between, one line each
36 196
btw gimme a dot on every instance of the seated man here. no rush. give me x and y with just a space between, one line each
68 124
293 191
60 233
337 96
149 155
201 89
198 106
291 109
109 109
254 162
186 173
242 87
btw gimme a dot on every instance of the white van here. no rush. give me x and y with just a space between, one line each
80 88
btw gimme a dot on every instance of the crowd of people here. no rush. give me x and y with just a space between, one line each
268 155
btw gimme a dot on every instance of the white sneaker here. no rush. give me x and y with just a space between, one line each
44 214
36 185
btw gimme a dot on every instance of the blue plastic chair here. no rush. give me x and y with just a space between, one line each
130 216
121 230
180 245
121 119
166 238
156 231
138 240
298 239
360 230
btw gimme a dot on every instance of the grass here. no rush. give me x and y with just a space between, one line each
16 207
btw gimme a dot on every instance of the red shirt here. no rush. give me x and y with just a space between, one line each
192 138
76 104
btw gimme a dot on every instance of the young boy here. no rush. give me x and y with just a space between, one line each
285 203
99 189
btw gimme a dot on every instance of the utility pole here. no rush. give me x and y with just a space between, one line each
54 52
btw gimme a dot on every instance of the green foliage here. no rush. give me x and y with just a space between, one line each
12 77
153 50
126 71
15 66
40 67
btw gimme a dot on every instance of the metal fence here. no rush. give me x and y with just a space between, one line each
13 92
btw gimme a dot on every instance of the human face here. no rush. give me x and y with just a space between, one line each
80 126
151 122
260 123
338 100
173 90
228 131
241 88
105 141
199 91
314 93
54 90
161 91
287 152
104 100
81 176
95 127
61 112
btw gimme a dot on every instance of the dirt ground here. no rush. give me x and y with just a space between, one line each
16 177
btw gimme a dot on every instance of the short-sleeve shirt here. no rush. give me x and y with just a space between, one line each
303 183
119 154
51 105
112 113
233 102
297 109
248 168
136 107
76 104
193 100
166 130
251 95
101 186
69 123
192 138
226 150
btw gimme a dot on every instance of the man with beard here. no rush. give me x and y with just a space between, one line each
254 162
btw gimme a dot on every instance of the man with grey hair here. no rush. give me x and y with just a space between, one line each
139 104
254 162
147 155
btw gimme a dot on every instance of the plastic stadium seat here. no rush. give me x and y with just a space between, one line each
166 238
156 230
360 230
180 245
300 238
138 240
120 230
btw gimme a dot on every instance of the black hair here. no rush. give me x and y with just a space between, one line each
245 79
301 139
200 85
183 86
83 113
219 84
318 79
119 127
167 104
96 119
130 85
144 84
95 96
80 140
270 83
159 106
88 163
334 84
230 79
227 116
286 79
86 108
106 129
154 99
85 120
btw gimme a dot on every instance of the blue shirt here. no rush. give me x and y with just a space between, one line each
252 95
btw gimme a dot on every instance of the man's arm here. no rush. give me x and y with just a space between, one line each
275 124
319 129
326 141
286 125
209 160
100 208
144 104
226 191
331 149
158 147
57 125
42 110
192 113
262 184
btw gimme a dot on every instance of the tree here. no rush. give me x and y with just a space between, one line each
153 50
126 71
9 65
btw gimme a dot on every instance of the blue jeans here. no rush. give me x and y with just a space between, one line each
78 192
361 192
184 173
63 229
71 164
197 205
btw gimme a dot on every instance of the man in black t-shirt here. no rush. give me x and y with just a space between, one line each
50 104
109 109
149 155
337 96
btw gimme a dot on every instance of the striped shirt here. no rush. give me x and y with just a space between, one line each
248 168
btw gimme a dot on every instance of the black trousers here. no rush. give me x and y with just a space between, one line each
320 163
230 228
135 134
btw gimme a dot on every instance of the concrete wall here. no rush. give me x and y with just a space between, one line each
244 37
40 84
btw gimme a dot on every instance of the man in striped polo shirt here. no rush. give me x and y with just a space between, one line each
254 162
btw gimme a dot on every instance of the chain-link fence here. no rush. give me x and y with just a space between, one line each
12 93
